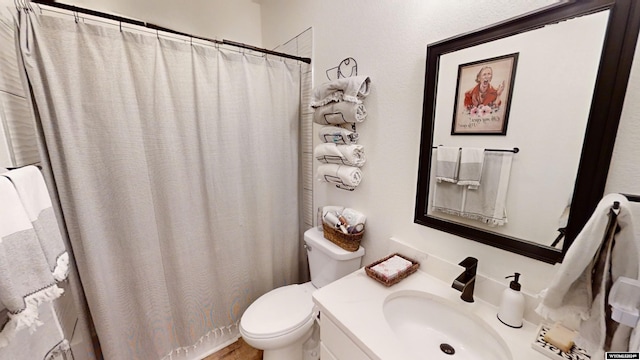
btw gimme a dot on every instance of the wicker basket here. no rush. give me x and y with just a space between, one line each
396 279
349 242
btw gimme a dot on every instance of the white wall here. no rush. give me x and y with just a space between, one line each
388 39
237 20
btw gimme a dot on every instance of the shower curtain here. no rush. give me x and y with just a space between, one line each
176 169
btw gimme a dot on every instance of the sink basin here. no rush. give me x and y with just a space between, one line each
435 328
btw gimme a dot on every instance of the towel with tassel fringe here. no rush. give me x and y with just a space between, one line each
25 278
34 196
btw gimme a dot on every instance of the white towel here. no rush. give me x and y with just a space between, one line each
470 171
447 163
338 135
25 278
336 209
573 292
448 198
33 193
344 177
47 343
489 202
351 155
353 217
341 112
351 89
486 204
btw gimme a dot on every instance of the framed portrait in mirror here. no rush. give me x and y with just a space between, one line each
483 96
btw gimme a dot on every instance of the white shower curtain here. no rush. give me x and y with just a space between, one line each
176 167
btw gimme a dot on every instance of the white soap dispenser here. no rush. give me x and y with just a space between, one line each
511 309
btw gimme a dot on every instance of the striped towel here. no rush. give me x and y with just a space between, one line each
35 199
26 280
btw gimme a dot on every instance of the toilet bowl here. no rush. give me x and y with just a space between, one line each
281 321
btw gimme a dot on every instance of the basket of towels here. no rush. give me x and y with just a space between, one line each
343 226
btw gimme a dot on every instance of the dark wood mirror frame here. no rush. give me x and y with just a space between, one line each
604 116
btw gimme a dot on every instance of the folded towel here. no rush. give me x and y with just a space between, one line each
351 155
447 163
47 343
344 177
337 135
353 217
489 202
340 112
351 89
470 171
448 198
25 278
598 257
33 193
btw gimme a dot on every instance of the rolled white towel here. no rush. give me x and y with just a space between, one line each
353 217
351 155
351 89
341 112
332 208
344 177
338 135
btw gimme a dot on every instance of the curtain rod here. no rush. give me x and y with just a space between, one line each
164 29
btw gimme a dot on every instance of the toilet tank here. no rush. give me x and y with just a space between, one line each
327 261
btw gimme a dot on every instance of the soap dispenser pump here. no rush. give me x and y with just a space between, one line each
511 309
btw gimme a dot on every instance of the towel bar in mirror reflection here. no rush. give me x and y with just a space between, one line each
564 109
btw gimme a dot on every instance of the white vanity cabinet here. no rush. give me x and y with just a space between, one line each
335 344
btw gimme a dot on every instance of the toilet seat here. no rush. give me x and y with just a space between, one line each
278 312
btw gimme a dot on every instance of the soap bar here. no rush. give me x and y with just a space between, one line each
391 267
560 337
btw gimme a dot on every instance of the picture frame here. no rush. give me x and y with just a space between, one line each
483 96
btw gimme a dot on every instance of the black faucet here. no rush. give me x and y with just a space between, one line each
466 281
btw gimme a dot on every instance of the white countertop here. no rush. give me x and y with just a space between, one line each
355 304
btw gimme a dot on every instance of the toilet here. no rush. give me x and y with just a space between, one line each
282 321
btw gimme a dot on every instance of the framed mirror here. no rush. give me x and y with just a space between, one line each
559 75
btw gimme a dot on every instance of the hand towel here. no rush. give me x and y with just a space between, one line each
47 343
351 155
447 163
488 203
35 199
338 135
351 89
341 112
25 278
344 177
470 171
578 288
353 217
448 198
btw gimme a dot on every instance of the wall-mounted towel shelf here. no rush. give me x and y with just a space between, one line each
515 150
347 68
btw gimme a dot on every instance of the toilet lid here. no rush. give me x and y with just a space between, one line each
278 312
